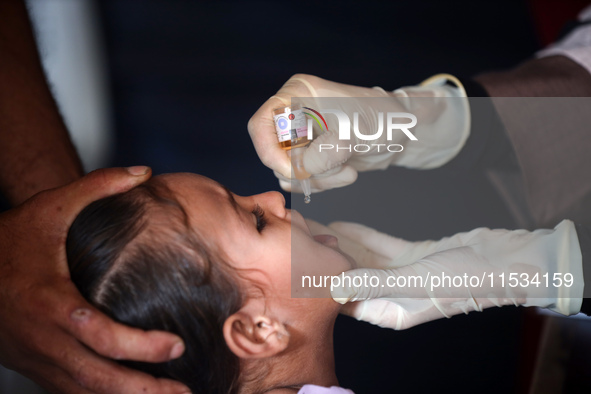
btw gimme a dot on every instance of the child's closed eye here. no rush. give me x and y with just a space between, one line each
260 217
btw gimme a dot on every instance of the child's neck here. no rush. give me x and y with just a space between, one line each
311 357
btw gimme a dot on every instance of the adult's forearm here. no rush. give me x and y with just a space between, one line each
35 149
543 105
554 76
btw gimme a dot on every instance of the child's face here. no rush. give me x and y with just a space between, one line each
268 252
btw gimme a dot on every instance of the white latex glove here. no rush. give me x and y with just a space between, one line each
481 253
443 123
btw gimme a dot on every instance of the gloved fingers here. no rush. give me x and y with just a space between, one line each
286 184
261 126
380 243
394 313
319 228
261 129
326 152
337 177
365 284
380 312
354 309
401 313
363 257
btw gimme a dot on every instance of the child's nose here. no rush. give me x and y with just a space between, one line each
274 202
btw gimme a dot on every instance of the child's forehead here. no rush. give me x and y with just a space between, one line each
184 182
205 201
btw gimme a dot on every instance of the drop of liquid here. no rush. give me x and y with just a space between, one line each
307 199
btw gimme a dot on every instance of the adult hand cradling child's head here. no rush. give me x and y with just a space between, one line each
182 253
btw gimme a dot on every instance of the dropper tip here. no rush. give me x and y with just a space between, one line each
305 184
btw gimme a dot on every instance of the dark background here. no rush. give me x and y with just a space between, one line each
186 76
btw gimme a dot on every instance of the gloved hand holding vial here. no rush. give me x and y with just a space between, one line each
440 102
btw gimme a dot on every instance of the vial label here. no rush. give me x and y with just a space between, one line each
290 125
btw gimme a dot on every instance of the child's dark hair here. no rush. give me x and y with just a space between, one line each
135 257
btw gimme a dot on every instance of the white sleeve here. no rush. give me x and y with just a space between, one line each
576 45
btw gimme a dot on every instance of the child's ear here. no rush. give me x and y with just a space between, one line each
254 336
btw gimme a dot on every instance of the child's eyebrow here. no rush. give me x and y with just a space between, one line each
230 197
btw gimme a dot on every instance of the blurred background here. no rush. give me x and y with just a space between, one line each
172 85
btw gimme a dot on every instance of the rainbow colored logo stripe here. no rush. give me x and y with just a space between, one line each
315 118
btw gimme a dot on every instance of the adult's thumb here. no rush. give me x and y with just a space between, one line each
69 200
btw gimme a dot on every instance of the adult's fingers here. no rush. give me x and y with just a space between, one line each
98 184
337 177
379 312
397 252
364 258
397 314
56 380
365 253
319 228
84 369
109 378
359 285
116 341
376 241
261 128
366 284
53 211
98 375
322 154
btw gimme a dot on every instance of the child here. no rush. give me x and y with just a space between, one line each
183 254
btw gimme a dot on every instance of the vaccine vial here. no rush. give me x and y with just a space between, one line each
292 134
290 124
